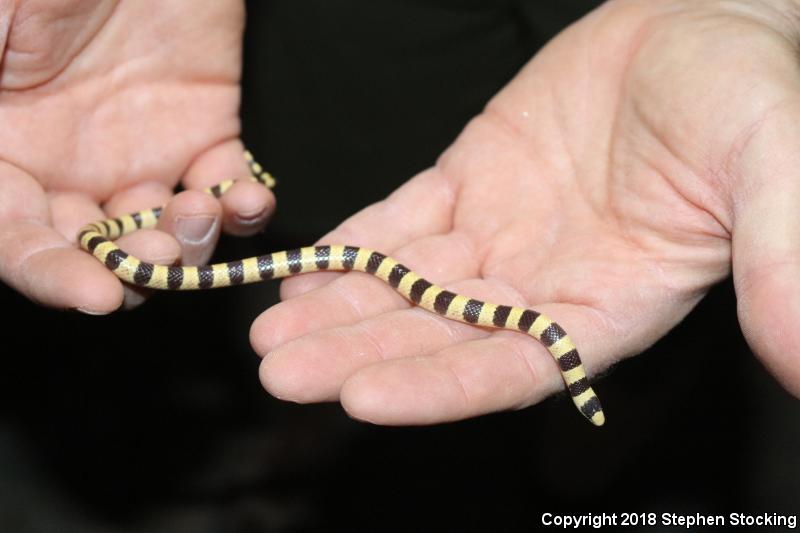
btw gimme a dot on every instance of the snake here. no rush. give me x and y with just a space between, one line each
97 238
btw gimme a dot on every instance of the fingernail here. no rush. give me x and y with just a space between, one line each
90 311
246 219
194 230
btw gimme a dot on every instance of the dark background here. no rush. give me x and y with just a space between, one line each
143 421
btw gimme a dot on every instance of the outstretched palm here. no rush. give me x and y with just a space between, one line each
108 103
604 186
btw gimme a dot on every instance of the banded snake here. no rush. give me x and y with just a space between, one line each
97 237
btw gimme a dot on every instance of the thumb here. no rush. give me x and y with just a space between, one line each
766 250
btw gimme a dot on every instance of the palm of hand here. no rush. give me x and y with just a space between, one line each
111 109
598 187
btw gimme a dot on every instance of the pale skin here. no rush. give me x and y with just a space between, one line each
105 106
644 154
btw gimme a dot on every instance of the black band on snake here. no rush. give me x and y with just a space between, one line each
97 238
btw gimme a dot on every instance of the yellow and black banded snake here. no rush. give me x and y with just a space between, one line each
97 237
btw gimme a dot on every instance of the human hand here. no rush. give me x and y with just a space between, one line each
104 106
646 150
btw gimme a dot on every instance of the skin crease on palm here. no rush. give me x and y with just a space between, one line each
641 156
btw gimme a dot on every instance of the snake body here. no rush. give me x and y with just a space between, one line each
97 238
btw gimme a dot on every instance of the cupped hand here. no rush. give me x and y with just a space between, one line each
646 151
104 107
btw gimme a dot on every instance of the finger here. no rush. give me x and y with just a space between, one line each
313 367
421 207
138 197
247 205
461 381
38 261
318 366
766 250
151 246
188 228
507 370
193 218
354 297
70 211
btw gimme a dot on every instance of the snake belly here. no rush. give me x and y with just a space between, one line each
97 238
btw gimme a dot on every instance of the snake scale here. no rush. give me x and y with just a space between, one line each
96 238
